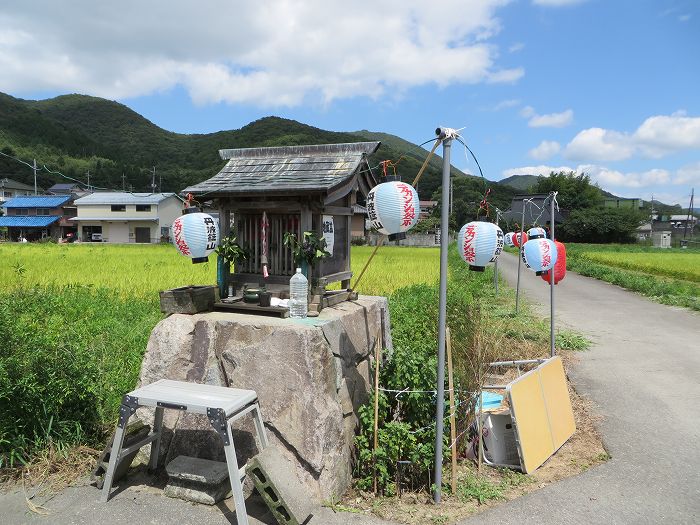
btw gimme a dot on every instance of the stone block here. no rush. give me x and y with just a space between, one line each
197 480
276 482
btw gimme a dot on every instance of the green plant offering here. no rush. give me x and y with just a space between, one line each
310 249
230 250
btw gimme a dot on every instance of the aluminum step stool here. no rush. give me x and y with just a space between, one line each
220 404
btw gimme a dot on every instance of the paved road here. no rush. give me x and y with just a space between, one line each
643 374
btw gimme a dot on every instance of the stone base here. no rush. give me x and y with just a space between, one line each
197 480
311 376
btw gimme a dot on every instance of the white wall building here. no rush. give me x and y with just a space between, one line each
122 217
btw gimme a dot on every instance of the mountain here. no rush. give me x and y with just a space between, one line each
522 183
77 134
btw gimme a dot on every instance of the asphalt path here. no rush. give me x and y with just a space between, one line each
643 375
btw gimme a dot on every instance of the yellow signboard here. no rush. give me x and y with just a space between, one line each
541 409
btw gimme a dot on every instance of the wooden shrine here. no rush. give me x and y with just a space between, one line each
298 188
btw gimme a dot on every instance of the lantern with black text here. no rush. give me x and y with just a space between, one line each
508 239
195 234
393 207
559 266
479 243
539 255
516 238
536 232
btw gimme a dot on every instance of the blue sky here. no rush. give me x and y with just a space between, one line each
609 87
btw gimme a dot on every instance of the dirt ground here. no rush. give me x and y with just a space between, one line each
582 451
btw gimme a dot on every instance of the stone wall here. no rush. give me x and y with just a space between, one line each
311 376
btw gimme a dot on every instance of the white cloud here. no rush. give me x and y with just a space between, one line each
656 137
684 18
518 46
545 150
688 174
557 3
274 53
627 184
551 120
505 104
597 144
542 170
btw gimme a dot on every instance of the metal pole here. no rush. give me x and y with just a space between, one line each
444 237
495 264
551 280
520 257
34 168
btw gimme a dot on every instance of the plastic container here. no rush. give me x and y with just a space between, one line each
298 295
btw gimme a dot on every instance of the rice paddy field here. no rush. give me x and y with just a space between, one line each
142 271
670 276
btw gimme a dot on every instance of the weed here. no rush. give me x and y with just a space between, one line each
570 340
471 487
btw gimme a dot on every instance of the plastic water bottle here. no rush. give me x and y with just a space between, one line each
298 295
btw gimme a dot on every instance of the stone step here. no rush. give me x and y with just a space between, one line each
198 480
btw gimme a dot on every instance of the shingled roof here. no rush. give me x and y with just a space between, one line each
301 169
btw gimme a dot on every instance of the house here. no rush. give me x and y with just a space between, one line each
297 188
37 217
358 226
11 188
123 217
536 211
70 188
426 209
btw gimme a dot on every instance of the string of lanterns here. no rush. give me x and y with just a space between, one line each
195 234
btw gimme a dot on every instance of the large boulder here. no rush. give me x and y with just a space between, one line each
310 375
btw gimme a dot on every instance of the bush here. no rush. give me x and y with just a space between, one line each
67 357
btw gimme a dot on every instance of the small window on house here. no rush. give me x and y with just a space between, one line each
143 207
21 211
43 211
118 207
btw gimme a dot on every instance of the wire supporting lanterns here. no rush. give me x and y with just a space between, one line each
516 238
539 255
559 266
195 234
393 207
479 243
508 239
536 232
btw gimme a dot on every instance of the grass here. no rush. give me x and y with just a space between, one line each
670 276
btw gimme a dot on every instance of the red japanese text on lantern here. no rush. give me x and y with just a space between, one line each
409 212
546 255
467 248
179 241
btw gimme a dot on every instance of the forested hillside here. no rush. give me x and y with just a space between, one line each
74 134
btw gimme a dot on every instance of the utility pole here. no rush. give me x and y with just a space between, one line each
88 182
690 215
34 168
160 182
651 220
123 182
153 181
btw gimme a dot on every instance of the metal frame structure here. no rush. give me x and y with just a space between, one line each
220 404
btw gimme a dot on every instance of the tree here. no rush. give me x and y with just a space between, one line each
575 191
601 225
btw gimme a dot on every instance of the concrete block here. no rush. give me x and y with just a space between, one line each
198 480
286 497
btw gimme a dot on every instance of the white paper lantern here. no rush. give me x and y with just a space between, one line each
508 239
479 243
195 235
393 207
536 233
539 255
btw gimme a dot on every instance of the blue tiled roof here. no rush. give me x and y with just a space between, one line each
28 222
37 201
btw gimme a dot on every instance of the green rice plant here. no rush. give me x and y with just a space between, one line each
657 284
